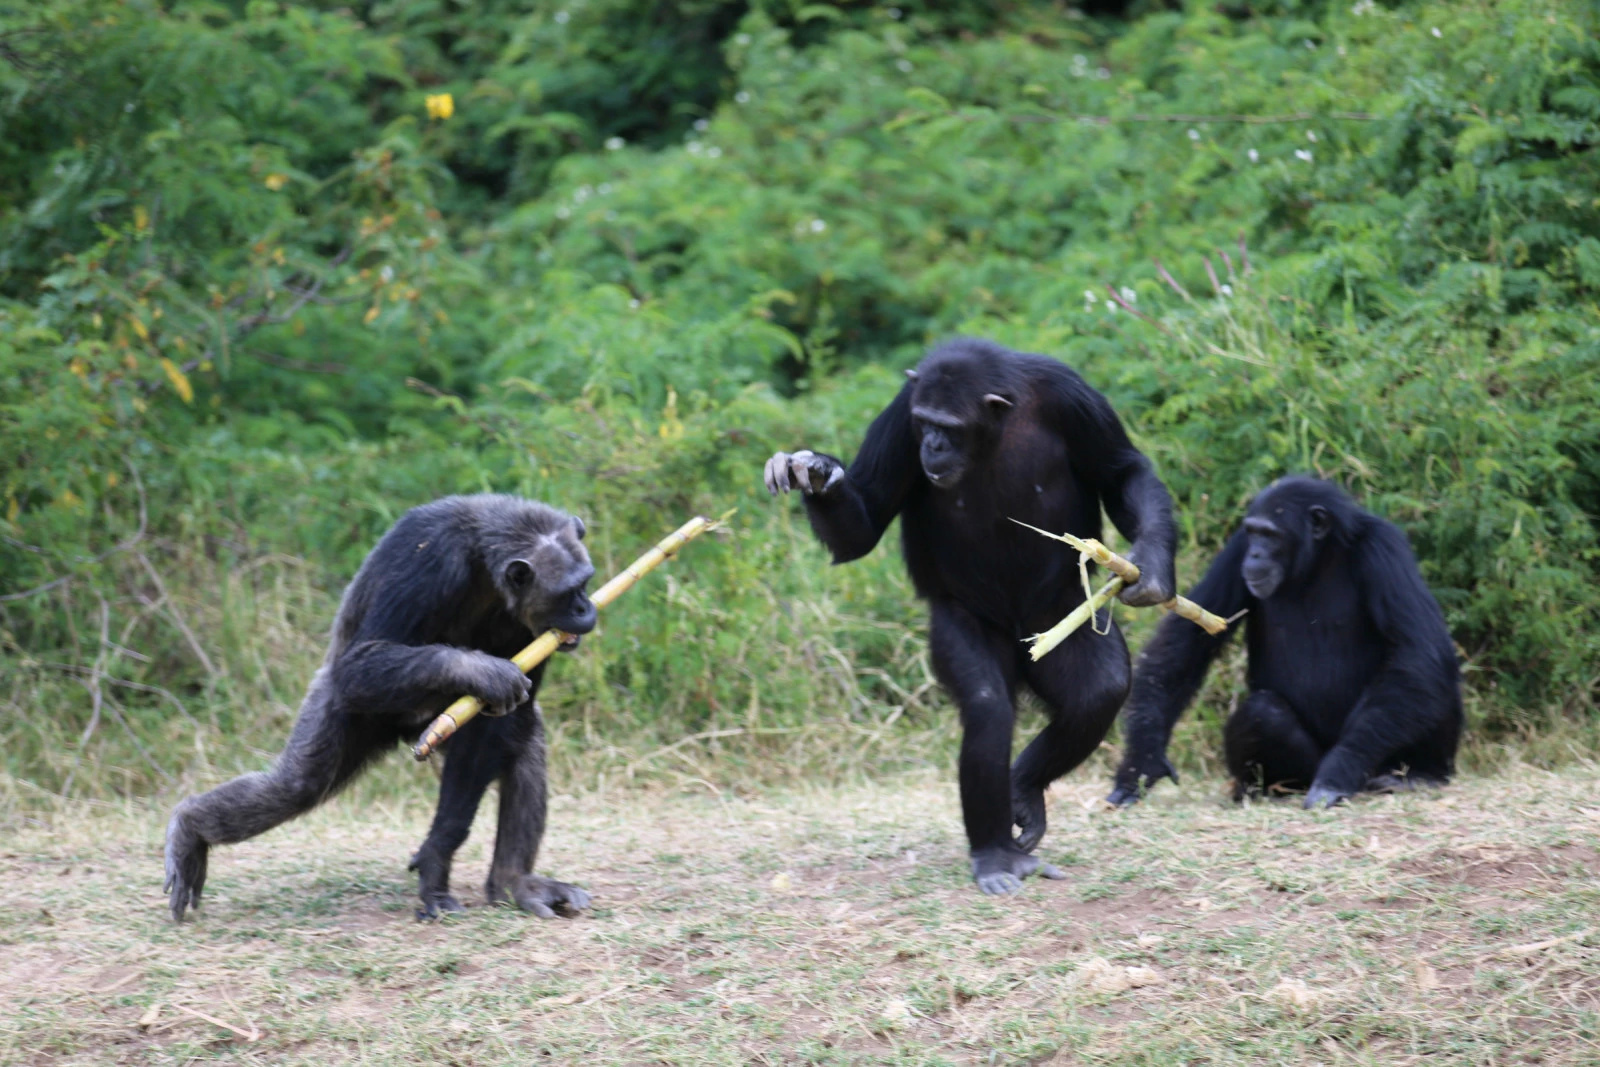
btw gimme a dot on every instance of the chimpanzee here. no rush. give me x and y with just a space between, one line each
1353 678
978 436
452 590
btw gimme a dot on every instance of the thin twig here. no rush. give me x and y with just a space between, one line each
171 611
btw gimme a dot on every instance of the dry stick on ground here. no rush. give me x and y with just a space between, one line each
1127 572
544 646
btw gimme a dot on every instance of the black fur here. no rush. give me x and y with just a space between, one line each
452 590
1353 677
979 436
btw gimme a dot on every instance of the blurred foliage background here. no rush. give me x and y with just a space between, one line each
272 273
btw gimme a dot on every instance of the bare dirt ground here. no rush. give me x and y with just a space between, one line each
833 927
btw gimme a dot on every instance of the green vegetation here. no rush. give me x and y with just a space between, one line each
261 289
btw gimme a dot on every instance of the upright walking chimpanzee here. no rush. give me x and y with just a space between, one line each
1353 677
979 436
452 590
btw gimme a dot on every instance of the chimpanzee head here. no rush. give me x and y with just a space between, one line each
1288 524
960 394
541 568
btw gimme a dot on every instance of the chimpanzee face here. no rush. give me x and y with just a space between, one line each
544 583
955 428
1282 542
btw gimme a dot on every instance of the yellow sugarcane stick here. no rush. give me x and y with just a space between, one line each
544 646
1127 573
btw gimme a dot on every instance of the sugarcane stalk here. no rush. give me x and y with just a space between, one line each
544 646
1127 573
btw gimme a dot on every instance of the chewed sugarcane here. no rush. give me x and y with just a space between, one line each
1126 573
545 645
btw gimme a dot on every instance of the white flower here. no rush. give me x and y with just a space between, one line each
1311 135
817 225
1227 290
1255 157
1341 50
744 38
562 17
614 143
714 152
581 193
1103 73
894 12
1311 45
387 274
634 303
904 65
1128 295
1362 7
1302 154
605 187
702 125
1436 33
1111 307
741 97
1088 296
1080 60
695 148
1194 134
563 212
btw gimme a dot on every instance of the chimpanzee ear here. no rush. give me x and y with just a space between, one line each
996 402
578 527
519 574
1321 521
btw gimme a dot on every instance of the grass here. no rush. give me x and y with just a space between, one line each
831 925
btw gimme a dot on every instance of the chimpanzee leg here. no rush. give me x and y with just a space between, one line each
521 825
1083 683
324 752
977 664
1267 748
472 760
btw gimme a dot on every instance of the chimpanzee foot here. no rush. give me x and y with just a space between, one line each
186 866
436 905
543 897
999 871
1324 796
1028 812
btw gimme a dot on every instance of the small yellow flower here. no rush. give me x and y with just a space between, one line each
440 105
275 181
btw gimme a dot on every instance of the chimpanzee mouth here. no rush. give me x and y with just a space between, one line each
568 642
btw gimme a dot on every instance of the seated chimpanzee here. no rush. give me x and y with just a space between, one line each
1353 677
449 593
979 436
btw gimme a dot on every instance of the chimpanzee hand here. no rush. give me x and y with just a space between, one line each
1157 582
499 683
1136 776
811 473
541 896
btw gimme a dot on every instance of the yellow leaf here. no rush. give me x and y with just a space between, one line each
112 480
180 380
440 105
68 499
275 181
141 217
139 328
372 313
12 510
79 367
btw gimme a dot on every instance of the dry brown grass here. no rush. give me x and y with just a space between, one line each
833 926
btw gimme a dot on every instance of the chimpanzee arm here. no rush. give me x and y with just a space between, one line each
395 664
1169 673
850 513
1104 458
1415 692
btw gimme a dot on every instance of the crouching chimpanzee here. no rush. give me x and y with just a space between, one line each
1352 674
979 436
452 590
